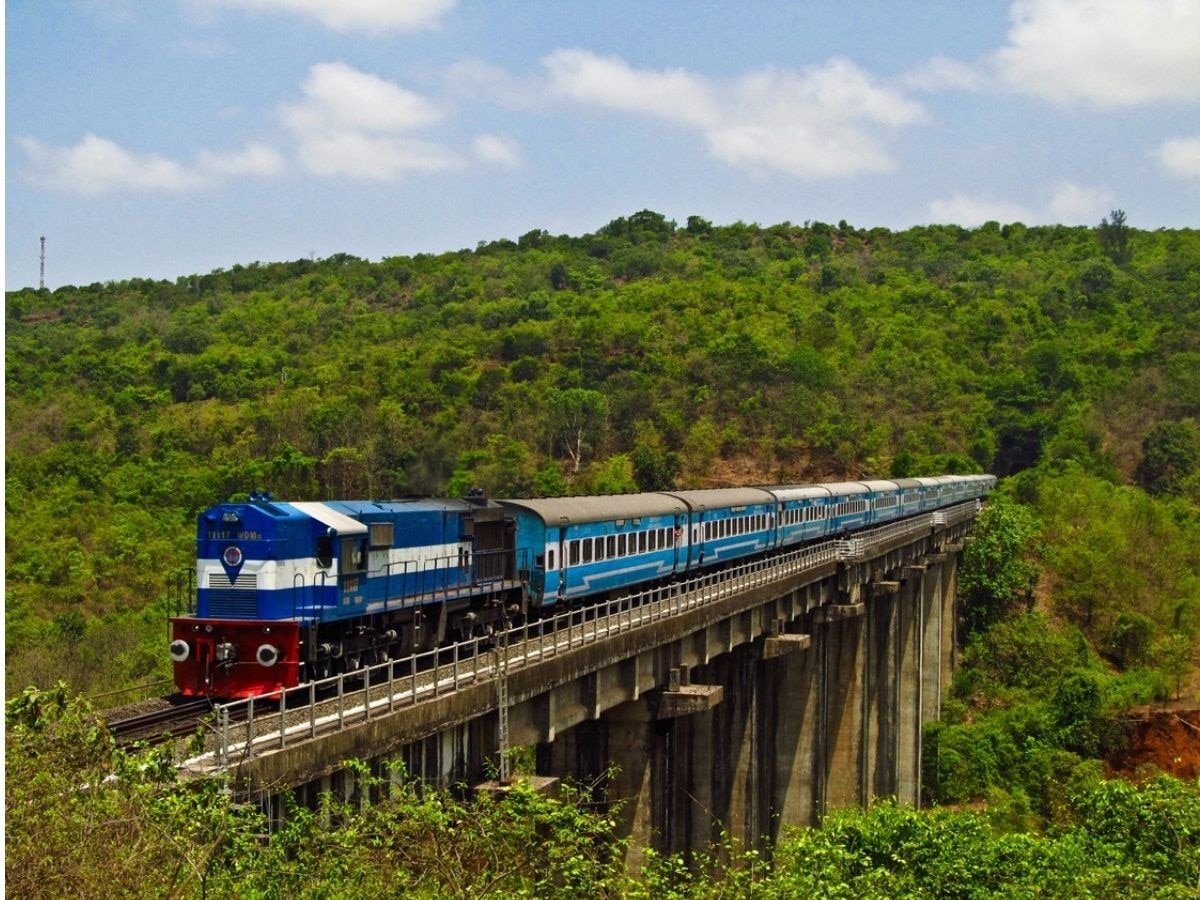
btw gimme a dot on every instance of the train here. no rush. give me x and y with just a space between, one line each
288 592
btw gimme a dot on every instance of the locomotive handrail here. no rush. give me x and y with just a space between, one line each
314 609
432 673
182 591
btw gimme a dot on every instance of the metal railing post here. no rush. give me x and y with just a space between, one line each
224 750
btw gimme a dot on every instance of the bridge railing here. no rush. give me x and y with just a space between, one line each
274 720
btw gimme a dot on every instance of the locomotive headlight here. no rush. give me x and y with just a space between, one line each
180 651
267 655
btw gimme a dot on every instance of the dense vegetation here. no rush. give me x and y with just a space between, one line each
643 355
121 826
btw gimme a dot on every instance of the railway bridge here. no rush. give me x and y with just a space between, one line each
738 702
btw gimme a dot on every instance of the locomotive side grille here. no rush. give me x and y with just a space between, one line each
232 601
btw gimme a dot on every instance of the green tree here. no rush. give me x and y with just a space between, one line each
1170 455
1114 237
577 422
1175 655
997 570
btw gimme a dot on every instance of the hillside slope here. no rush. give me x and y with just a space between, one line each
643 355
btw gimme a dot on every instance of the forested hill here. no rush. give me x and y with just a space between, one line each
643 355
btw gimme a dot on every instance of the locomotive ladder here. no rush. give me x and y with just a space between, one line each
502 711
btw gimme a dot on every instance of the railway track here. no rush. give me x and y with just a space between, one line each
165 718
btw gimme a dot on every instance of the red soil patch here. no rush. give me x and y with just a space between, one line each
1167 739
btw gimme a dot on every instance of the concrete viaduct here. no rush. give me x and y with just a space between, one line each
737 703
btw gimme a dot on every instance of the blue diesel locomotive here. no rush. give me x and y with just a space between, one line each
289 592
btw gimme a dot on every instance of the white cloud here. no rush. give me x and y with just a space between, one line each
823 122
1078 204
1104 52
972 211
1181 156
497 150
355 124
370 16
372 157
1066 203
97 166
255 159
609 81
341 97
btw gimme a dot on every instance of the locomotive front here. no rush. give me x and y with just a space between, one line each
257 585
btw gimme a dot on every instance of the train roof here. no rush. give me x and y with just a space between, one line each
798 491
328 515
880 484
847 487
345 517
575 510
722 498
423 504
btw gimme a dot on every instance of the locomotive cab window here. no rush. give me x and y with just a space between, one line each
354 556
325 551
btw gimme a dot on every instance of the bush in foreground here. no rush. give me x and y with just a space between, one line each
87 819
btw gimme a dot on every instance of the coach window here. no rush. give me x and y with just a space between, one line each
642 538
587 550
574 553
621 545
612 546
550 560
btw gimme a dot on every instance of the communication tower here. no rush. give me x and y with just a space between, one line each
42 270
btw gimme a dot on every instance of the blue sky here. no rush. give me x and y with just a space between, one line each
161 139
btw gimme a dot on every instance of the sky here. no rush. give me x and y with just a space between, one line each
164 138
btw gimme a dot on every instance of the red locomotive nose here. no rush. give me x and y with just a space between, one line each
229 659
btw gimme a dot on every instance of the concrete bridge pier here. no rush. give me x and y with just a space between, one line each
882 689
910 617
792 769
843 648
